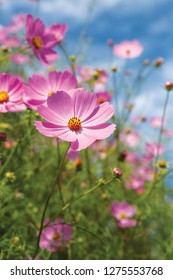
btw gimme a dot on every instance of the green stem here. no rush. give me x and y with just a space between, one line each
48 199
98 185
88 166
162 126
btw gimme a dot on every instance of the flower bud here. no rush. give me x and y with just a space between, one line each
118 172
169 86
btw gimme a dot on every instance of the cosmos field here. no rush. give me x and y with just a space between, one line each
79 177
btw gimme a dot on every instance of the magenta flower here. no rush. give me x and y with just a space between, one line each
103 96
40 88
58 30
40 41
128 49
123 213
77 119
55 236
11 94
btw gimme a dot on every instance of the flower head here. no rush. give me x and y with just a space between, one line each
55 235
40 41
123 213
128 49
11 94
77 118
40 88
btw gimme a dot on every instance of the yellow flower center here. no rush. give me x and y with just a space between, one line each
3 96
74 124
56 236
122 215
37 42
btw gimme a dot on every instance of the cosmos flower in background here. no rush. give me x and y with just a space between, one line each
128 49
77 119
123 212
40 88
55 235
41 42
58 30
103 96
19 58
11 94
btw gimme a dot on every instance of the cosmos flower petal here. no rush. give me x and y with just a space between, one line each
83 141
61 103
100 115
52 130
84 103
101 131
51 116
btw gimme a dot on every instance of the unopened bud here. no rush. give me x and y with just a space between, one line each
118 172
169 86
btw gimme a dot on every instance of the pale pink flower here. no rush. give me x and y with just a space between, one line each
77 119
123 212
40 41
11 94
136 184
154 149
132 157
40 88
131 139
156 122
18 22
128 49
103 96
55 235
58 30
19 58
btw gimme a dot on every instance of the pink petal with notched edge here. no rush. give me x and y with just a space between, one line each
84 104
82 142
52 130
100 115
51 116
101 131
61 103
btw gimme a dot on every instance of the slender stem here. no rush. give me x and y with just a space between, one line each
47 201
88 166
98 185
162 126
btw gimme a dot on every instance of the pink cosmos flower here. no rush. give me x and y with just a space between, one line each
18 22
130 138
55 236
128 49
77 119
136 184
19 58
40 41
154 149
103 96
11 94
40 88
123 213
58 30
